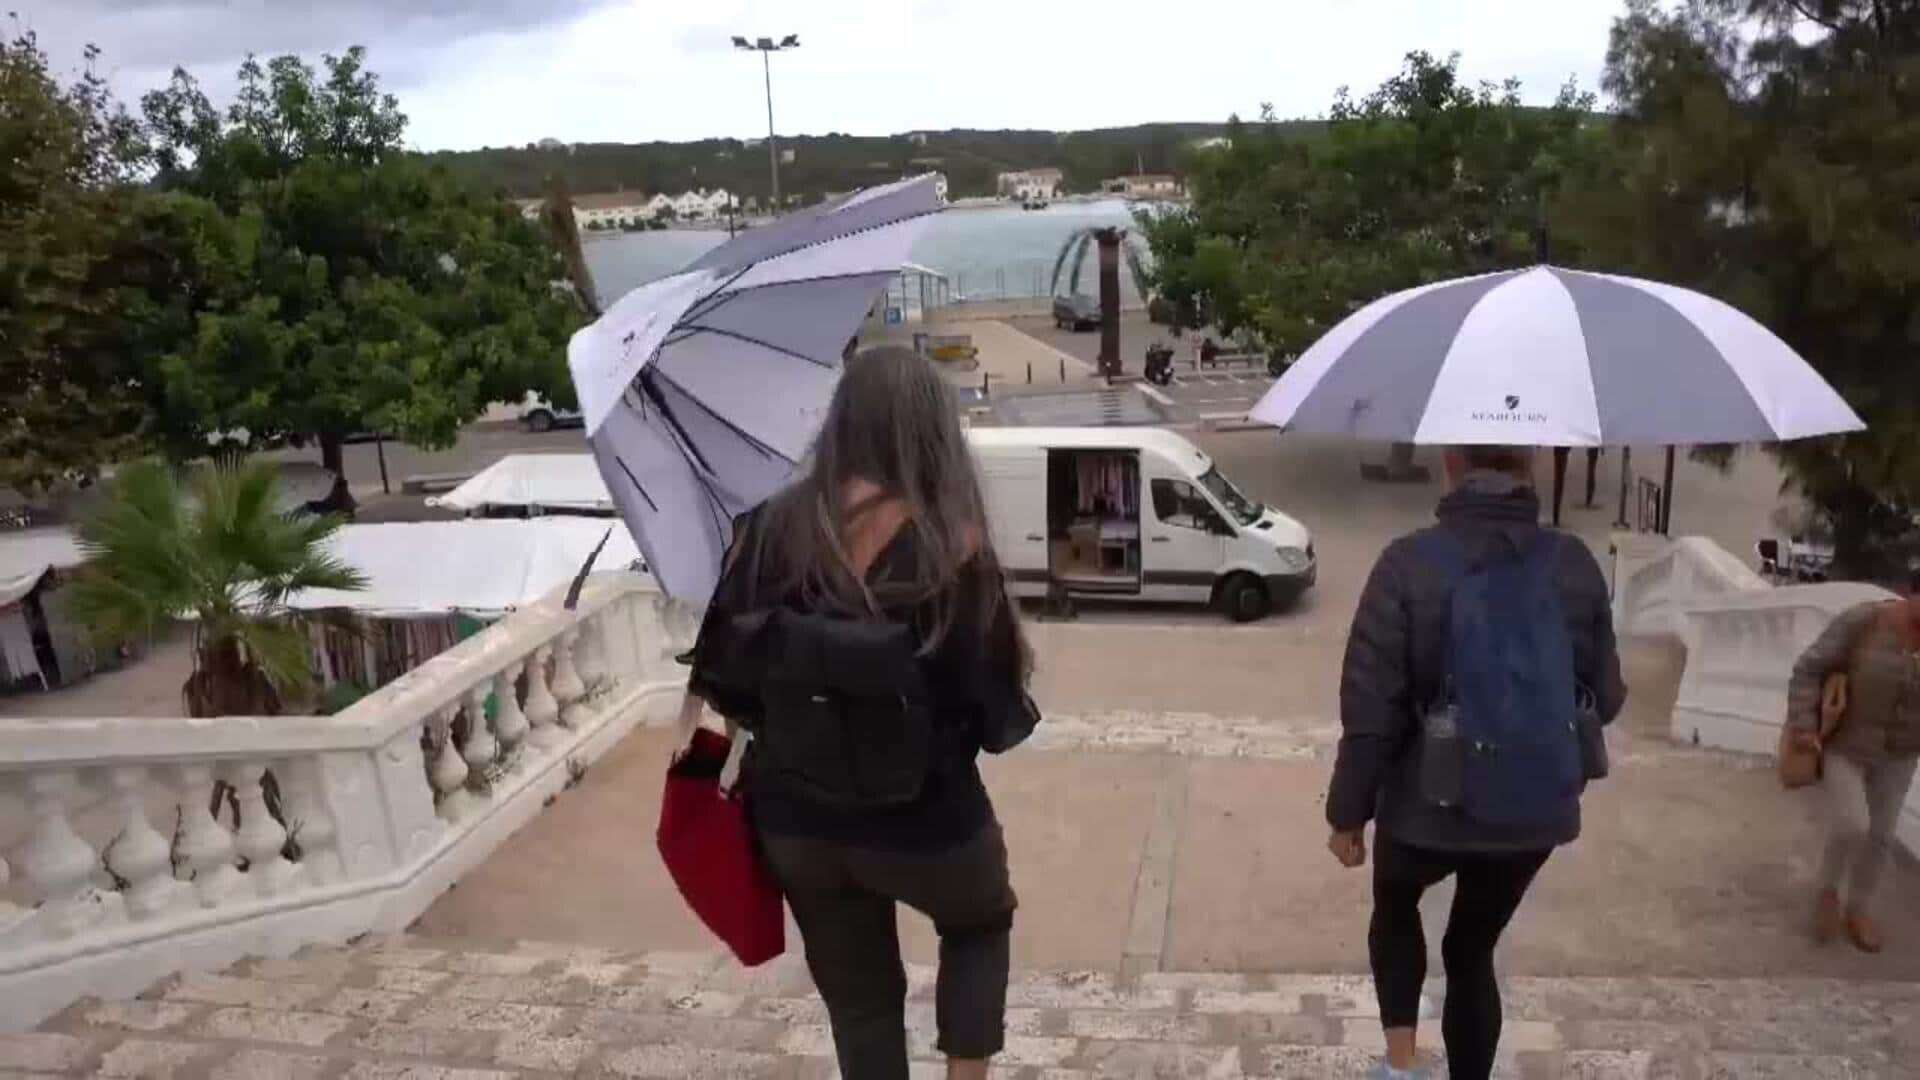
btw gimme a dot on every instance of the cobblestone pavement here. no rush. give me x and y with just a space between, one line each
405 1009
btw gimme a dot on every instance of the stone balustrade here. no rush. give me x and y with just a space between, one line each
1655 580
1742 636
144 847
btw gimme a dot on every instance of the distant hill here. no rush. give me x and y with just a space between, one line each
822 163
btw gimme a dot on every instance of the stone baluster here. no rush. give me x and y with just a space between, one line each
312 826
59 864
567 685
448 773
590 652
206 847
543 712
481 746
509 722
139 855
260 837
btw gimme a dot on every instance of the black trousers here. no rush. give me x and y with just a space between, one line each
1488 891
843 898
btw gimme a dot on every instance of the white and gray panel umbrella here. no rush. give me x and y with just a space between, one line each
702 391
1553 357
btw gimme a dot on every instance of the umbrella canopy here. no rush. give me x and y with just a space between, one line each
702 391
1553 357
482 567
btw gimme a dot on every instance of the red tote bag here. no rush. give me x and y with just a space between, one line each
708 847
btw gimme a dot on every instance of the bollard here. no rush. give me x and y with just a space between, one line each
1063 369
1029 373
986 383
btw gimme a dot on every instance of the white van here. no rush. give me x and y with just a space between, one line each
1137 513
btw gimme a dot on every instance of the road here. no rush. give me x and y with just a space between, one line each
1215 395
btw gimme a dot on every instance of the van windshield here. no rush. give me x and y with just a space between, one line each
1244 510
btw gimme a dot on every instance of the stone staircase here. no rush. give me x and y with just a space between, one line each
437 1009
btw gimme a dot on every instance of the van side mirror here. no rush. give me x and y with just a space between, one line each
1218 527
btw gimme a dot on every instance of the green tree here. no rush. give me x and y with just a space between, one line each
376 292
216 548
1425 178
1766 155
68 215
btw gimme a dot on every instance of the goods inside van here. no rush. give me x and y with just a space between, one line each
1093 519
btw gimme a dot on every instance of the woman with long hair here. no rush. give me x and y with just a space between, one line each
885 529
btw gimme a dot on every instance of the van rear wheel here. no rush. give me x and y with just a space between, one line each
1243 598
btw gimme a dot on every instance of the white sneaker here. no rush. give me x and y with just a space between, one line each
1384 1071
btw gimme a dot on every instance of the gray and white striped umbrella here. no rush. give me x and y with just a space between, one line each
703 390
1553 357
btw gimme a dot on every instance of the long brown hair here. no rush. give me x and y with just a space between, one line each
893 429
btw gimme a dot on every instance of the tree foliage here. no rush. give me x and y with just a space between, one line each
377 292
282 267
1768 152
1425 178
216 547
68 230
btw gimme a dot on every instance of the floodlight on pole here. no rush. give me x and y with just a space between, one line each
766 47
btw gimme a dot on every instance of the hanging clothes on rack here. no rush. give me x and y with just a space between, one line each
16 647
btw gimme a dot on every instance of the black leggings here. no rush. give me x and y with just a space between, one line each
1489 889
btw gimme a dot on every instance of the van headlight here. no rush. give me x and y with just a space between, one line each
1296 560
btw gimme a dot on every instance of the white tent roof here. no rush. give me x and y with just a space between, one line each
554 481
26 556
481 566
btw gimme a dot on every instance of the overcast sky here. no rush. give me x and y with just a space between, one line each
473 73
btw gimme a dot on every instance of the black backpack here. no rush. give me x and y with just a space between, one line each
846 717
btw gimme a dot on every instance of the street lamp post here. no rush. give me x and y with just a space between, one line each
766 47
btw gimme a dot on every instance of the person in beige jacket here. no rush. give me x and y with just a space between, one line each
1870 758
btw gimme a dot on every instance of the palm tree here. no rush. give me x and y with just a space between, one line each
215 547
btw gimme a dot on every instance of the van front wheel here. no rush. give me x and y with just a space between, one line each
1243 598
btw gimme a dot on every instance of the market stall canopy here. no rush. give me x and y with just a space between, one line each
532 481
482 567
25 558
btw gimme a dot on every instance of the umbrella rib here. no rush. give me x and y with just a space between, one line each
836 237
637 486
689 331
694 314
751 440
679 430
684 443
719 295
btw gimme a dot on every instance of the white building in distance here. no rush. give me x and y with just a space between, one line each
610 210
1145 186
1030 184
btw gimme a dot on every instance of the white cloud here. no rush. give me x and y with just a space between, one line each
505 72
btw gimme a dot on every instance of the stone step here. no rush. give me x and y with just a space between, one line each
1287 738
454 1010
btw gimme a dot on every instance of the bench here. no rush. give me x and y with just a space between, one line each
433 483
1228 358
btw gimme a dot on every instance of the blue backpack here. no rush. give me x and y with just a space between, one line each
1503 744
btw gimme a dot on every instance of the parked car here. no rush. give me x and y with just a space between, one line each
1076 312
542 415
